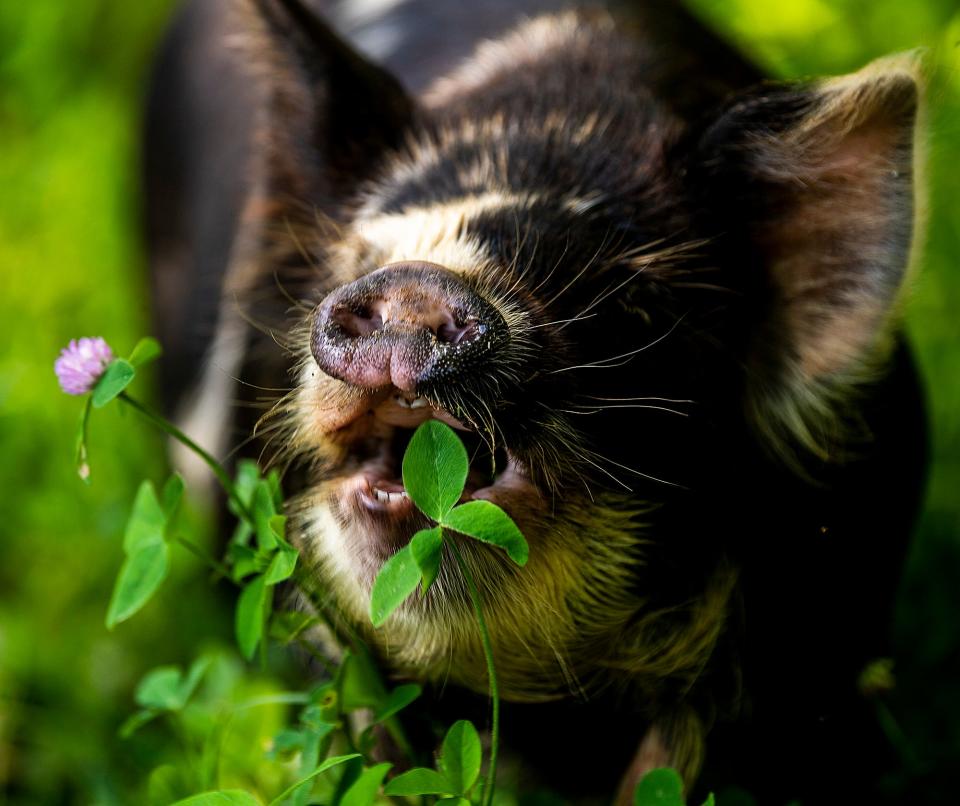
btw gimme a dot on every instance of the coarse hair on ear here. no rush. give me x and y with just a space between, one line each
323 119
816 182
327 114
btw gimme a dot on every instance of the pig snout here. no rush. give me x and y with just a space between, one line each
408 324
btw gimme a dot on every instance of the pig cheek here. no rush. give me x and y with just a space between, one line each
331 547
325 405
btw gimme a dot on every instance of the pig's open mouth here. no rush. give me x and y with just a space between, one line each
371 480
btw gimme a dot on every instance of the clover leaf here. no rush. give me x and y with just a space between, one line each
435 468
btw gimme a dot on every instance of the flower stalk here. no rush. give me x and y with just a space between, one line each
169 428
491 673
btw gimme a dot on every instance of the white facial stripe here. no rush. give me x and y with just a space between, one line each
435 233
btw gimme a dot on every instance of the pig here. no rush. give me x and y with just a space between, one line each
658 295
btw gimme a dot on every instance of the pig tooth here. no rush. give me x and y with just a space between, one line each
388 497
402 402
418 403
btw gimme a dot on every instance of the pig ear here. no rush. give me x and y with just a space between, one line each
815 183
324 118
328 113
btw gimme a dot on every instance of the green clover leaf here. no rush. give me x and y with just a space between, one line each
147 561
116 377
460 756
427 548
486 522
435 468
397 579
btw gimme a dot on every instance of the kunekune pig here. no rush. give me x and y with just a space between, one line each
659 294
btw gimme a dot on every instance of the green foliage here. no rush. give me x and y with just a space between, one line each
458 767
396 701
329 763
486 522
251 615
114 380
81 458
435 468
363 791
436 450
427 549
256 566
225 797
272 561
171 496
167 689
398 578
146 565
283 562
419 781
662 787
460 757
144 351
360 685
164 689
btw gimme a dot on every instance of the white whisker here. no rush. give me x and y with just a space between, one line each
604 363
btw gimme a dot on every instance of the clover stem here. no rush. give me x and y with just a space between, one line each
491 673
169 428
192 547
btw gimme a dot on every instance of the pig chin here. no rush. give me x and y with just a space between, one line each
368 513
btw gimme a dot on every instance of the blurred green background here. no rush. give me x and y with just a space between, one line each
72 76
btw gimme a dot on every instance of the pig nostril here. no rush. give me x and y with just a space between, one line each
451 332
356 322
410 325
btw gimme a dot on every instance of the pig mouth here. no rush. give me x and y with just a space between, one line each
370 481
